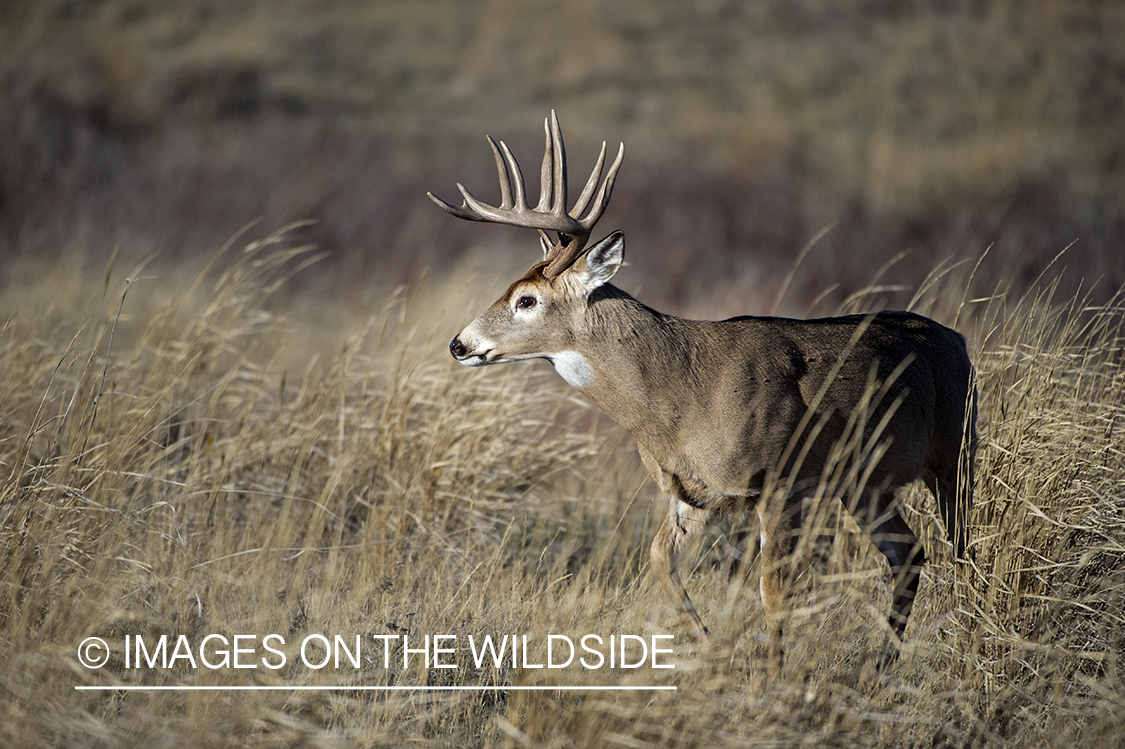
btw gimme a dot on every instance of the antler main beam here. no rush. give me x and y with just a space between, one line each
550 214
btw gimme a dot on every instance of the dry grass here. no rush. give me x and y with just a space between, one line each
174 463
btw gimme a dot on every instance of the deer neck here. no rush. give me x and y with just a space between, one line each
634 363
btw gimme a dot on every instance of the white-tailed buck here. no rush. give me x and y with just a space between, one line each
751 412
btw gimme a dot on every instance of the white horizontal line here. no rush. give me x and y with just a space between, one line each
367 688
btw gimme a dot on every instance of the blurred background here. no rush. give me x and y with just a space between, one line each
936 129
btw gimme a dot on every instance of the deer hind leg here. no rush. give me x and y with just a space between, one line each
949 475
953 491
780 521
682 522
893 537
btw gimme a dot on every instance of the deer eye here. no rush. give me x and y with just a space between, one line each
526 302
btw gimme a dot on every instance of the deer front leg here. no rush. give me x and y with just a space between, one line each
780 519
683 520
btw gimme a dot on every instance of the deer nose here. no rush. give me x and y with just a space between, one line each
457 348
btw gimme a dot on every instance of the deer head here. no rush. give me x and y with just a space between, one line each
536 316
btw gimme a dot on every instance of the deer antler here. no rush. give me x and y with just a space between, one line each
550 213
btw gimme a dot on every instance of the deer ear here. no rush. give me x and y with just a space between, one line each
600 262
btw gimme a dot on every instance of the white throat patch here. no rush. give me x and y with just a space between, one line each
573 368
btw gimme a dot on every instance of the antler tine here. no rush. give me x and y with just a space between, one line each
591 183
452 210
519 202
559 208
602 200
545 192
502 172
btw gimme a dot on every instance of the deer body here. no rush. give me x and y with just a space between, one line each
745 413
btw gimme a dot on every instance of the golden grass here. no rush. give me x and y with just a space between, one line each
173 465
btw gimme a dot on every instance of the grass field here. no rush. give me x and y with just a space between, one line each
176 462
